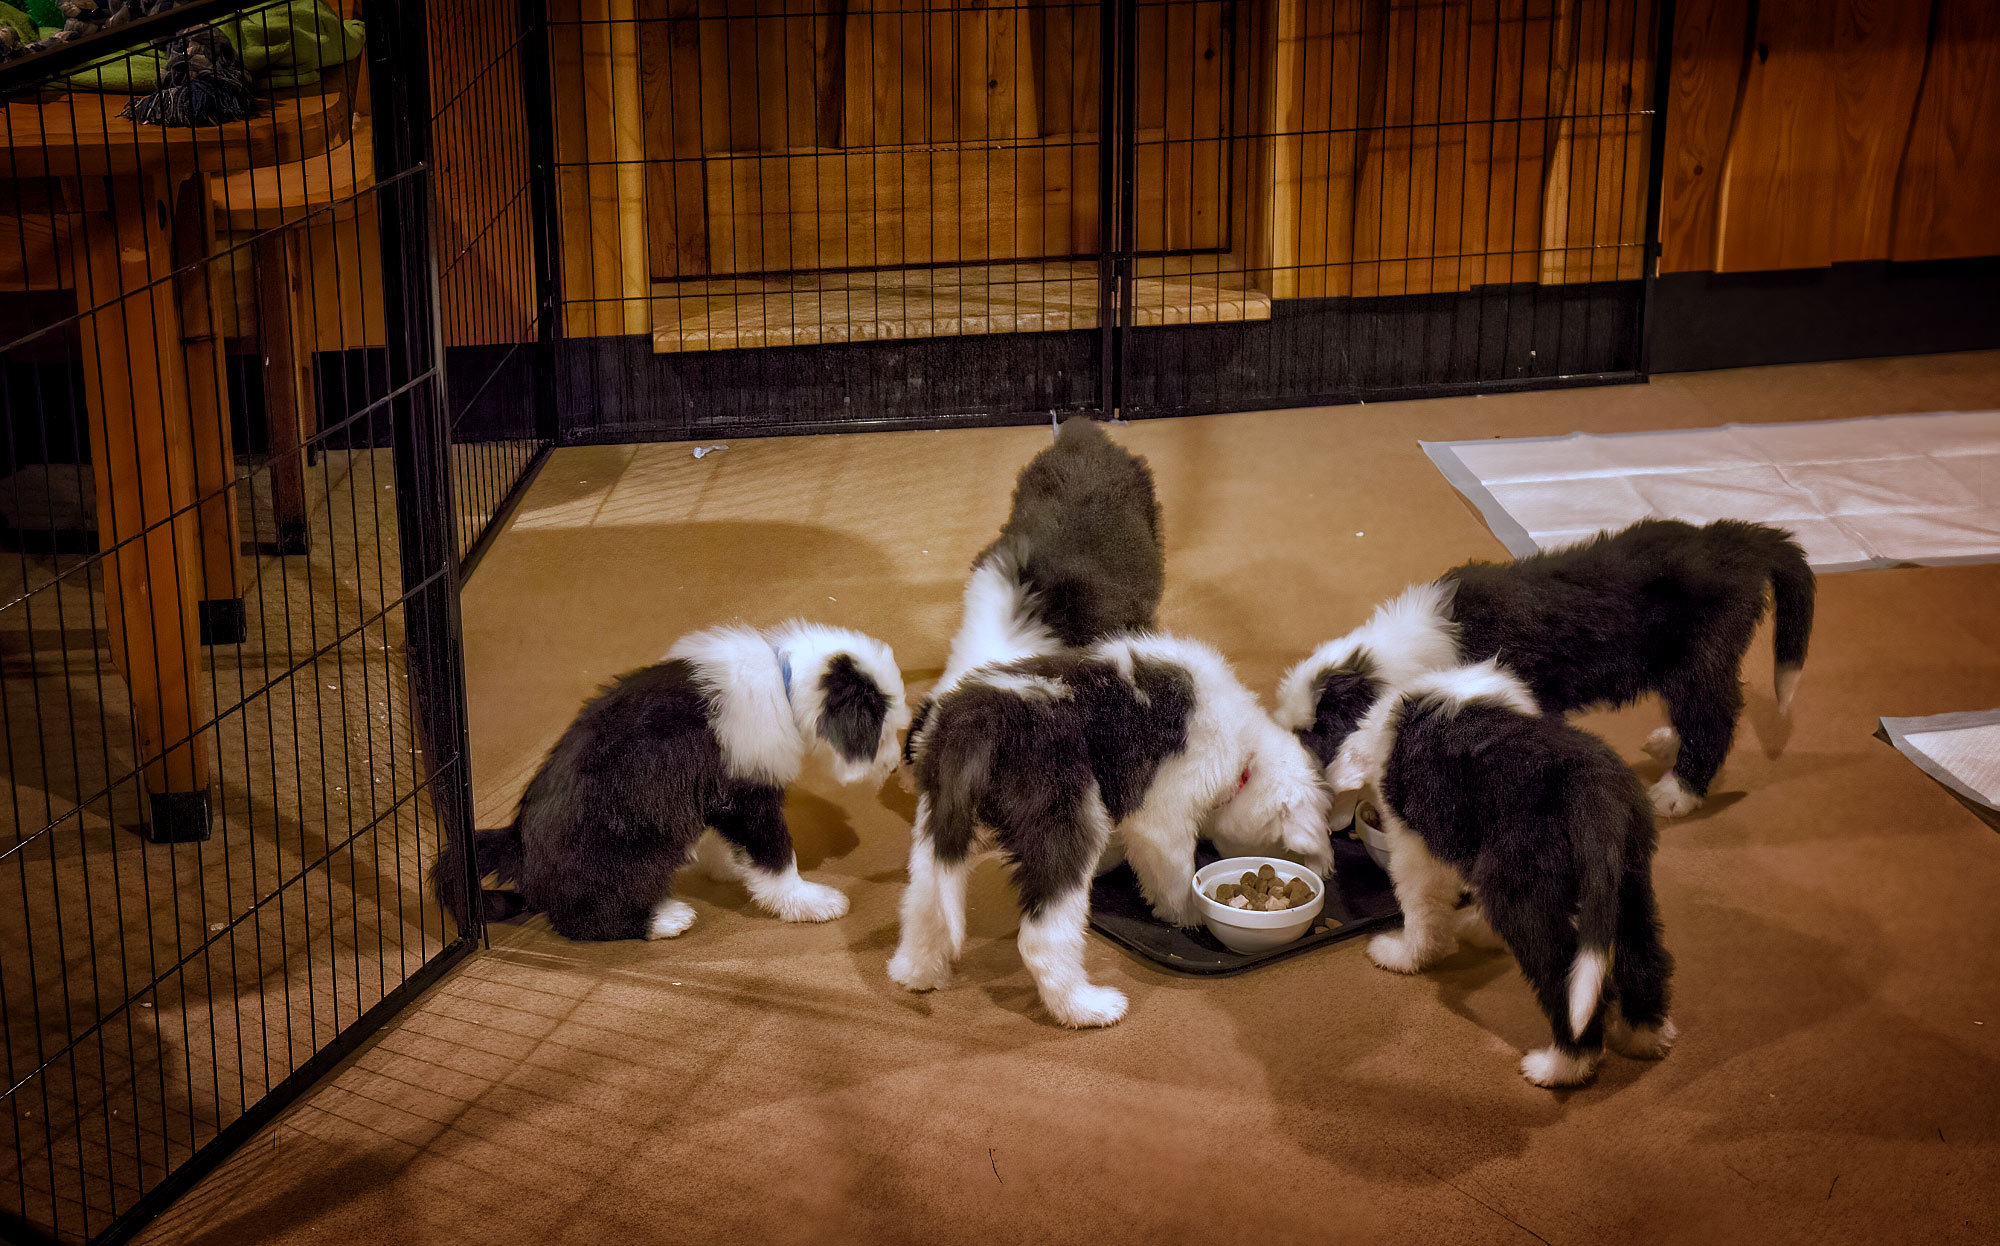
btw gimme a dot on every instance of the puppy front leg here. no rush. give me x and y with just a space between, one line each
754 823
1163 858
1427 890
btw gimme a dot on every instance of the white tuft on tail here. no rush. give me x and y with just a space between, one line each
1788 683
1586 983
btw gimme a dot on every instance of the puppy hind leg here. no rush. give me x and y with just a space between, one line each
1051 943
932 912
1641 971
1427 890
1544 943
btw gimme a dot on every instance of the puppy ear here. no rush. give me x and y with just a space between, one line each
852 709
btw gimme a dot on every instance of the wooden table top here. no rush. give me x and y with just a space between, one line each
81 134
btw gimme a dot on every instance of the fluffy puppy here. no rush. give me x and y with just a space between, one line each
1661 606
1044 758
1078 559
1552 834
707 738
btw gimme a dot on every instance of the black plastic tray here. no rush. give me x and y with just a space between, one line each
1360 898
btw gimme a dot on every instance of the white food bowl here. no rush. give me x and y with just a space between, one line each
1242 930
1368 824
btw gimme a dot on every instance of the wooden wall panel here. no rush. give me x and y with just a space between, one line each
936 71
1180 153
872 208
1594 193
1712 46
1948 192
1826 108
600 166
1878 59
670 88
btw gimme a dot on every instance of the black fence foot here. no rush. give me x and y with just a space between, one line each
222 621
178 818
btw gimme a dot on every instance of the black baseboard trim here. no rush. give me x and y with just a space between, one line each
1702 321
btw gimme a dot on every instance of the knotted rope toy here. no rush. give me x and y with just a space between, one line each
203 82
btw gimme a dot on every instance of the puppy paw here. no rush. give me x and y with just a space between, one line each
1671 797
1088 1006
1182 914
1663 745
913 973
670 918
1642 1042
1549 1066
1394 953
808 902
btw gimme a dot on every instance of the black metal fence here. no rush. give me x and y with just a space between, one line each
795 215
268 383
270 386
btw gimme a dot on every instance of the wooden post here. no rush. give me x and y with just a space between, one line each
288 389
220 610
142 449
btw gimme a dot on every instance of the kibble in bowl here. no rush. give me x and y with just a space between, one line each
1254 904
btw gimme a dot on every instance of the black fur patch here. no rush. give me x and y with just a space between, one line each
1345 694
1552 832
1024 764
617 806
1085 532
1661 606
854 707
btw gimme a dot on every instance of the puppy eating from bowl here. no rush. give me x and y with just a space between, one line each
1550 831
1148 737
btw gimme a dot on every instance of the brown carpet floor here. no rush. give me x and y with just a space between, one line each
1835 914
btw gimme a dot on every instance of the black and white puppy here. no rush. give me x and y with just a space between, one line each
710 737
1079 559
1043 759
1552 834
1661 606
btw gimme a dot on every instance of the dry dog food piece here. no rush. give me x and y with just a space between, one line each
1263 892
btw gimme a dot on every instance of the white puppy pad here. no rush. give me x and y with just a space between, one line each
1876 492
1961 751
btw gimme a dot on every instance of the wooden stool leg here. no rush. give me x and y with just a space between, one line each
136 382
220 609
287 396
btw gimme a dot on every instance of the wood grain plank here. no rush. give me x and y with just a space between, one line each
1779 178
1712 44
1949 183
670 84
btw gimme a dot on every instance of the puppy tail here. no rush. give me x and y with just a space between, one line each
1792 591
1596 931
495 853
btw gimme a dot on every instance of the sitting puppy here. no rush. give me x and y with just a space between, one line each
1149 736
1078 559
709 737
1553 835
1661 606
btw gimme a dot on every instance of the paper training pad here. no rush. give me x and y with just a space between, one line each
1358 896
1875 492
1961 751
